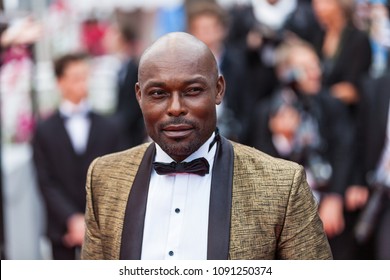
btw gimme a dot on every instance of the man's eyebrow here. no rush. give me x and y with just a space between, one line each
198 79
154 84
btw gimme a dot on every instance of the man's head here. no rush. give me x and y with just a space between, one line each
72 73
178 89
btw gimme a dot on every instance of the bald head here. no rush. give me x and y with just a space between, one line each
178 47
178 89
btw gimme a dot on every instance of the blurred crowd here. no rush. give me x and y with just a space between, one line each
307 81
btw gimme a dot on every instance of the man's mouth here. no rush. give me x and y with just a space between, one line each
178 130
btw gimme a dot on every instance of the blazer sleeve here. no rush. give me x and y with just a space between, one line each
92 245
302 236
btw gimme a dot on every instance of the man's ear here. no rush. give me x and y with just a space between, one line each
220 90
138 92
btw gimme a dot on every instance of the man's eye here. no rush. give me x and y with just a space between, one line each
195 90
157 93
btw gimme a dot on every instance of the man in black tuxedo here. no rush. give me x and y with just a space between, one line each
372 166
64 145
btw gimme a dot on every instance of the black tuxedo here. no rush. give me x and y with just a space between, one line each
62 172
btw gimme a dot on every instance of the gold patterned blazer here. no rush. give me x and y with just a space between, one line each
260 207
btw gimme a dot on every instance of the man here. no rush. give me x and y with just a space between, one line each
232 202
64 145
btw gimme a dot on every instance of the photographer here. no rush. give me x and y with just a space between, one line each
301 122
371 181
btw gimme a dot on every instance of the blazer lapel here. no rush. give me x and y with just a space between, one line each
133 225
220 202
63 136
93 132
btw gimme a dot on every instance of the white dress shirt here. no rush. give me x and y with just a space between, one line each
177 211
77 123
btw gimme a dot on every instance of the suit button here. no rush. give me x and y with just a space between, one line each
171 253
177 210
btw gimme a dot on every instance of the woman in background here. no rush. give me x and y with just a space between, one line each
344 50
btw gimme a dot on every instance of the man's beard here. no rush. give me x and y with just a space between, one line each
182 148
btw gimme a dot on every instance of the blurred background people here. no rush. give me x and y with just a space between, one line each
64 145
370 187
344 50
20 199
302 21
379 30
303 123
122 39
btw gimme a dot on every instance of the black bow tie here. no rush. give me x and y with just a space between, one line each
199 166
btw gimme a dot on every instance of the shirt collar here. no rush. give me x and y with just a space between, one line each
69 109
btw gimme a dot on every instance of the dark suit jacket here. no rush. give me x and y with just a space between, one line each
352 60
372 129
350 64
62 173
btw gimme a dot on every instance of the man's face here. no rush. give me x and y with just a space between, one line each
74 81
177 93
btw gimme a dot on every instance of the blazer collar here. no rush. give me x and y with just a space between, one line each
219 212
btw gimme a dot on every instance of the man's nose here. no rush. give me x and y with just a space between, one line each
177 105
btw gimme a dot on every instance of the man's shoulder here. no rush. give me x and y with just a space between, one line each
130 156
48 120
48 126
119 166
249 157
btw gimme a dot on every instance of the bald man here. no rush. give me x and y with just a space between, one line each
191 193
